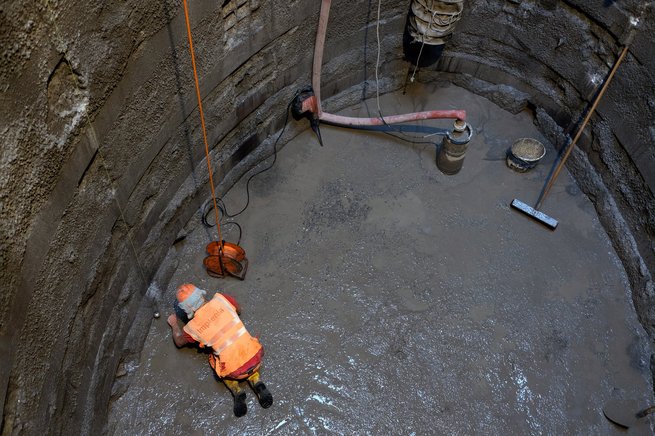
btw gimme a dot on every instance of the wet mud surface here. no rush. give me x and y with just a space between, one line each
393 299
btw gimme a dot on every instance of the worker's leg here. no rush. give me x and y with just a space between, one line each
240 407
263 395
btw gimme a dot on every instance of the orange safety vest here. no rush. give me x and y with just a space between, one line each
217 325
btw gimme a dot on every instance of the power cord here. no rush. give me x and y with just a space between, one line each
412 139
208 205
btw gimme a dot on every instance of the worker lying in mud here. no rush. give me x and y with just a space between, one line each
215 325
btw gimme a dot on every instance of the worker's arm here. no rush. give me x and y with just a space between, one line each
179 336
233 302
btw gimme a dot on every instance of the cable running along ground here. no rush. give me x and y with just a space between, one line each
222 208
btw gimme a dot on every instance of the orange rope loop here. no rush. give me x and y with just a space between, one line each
202 122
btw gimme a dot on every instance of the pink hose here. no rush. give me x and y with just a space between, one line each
392 119
352 121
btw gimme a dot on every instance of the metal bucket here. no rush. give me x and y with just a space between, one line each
525 154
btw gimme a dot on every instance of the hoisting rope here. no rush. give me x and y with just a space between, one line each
204 129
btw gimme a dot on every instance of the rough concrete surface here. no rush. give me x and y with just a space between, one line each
559 53
392 299
102 165
98 180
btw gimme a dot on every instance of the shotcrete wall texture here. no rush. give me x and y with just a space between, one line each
552 57
102 162
90 207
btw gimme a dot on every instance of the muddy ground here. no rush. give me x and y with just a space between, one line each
393 299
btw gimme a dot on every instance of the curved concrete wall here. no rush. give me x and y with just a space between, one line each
551 57
75 285
103 165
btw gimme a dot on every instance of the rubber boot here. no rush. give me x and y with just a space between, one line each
263 395
240 406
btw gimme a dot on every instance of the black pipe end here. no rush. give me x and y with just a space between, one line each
296 105
412 48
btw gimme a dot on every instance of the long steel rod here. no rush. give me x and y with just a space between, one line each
569 148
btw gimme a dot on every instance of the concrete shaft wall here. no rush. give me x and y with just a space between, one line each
102 164
552 57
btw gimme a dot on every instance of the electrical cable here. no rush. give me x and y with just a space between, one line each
207 206
407 138
206 210
207 224
286 121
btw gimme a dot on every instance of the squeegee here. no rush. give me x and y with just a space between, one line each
534 212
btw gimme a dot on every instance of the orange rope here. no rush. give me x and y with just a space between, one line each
204 130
